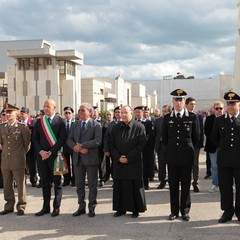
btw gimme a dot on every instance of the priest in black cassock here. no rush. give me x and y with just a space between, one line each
127 143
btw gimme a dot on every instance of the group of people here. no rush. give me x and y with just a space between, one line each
125 143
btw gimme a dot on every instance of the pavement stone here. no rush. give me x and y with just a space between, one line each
153 224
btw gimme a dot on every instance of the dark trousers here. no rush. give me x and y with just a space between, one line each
108 168
195 169
32 166
70 176
162 164
47 178
208 164
100 165
1 177
92 177
227 176
148 165
182 175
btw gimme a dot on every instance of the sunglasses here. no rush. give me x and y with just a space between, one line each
67 113
218 108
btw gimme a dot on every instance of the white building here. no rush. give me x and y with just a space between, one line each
106 93
40 72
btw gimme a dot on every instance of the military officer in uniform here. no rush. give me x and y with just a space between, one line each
15 141
226 136
180 133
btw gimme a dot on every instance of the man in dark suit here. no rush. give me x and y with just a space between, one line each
190 105
226 136
31 160
160 148
47 155
180 134
97 117
67 151
210 146
148 152
107 139
84 138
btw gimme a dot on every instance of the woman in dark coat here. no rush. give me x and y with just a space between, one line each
127 143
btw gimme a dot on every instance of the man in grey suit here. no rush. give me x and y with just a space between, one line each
84 138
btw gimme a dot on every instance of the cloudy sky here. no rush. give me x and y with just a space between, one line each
135 38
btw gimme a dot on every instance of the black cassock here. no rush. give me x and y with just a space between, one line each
128 189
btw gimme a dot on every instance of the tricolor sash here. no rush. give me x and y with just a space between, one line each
60 164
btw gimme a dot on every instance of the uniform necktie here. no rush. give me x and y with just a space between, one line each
178 115
233 120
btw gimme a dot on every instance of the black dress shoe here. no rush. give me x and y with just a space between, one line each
66 184
20 212
42 212
55 212
146 187
162 184
195 188
135 215
79 212
185 217
4 212
172 216
119 213
224 219
207 176
91 213
39 185
34 184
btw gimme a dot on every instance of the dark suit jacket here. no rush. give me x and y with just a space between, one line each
91 139
180 137
226 136
40 141
158 133
66 149
209 145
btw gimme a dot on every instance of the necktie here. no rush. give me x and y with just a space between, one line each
68 126
50 120
82 128
178 115
233 120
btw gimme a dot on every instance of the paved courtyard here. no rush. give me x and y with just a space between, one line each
153 224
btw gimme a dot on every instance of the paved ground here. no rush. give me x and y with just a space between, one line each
152 224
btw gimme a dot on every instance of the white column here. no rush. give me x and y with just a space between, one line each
236 81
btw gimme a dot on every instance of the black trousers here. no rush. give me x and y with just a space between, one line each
227 176
47 178
32 166
162 164
70 176
180 175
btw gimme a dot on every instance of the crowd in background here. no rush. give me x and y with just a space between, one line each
112 136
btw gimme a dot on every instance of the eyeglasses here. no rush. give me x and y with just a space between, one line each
218 108
67 113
